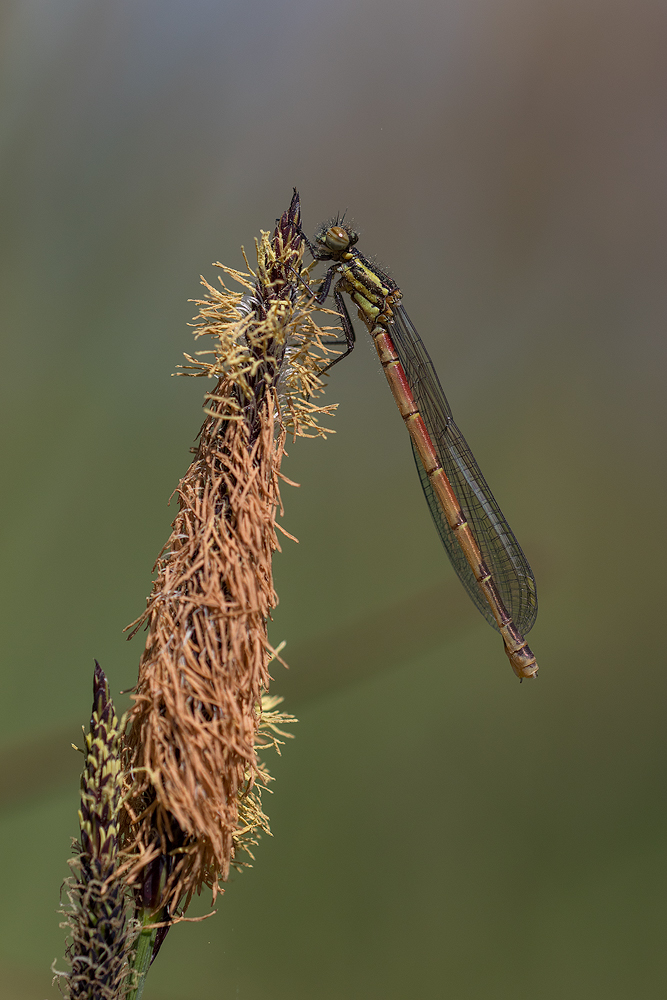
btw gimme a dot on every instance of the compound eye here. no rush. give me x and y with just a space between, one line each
337 238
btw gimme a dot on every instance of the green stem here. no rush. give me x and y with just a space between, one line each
142 958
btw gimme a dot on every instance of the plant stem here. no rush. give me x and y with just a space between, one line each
142 959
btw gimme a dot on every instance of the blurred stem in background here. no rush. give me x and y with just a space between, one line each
184 785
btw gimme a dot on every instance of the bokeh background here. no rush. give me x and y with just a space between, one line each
439 830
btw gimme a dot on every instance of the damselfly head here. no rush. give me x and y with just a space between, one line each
337 238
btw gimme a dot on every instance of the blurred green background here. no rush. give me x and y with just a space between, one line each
439 830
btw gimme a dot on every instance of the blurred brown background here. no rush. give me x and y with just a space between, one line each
439 830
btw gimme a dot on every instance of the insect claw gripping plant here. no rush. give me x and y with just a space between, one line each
185 779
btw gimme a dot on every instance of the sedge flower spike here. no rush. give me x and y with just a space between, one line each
198 717
99 913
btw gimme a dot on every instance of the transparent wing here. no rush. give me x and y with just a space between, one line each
501 551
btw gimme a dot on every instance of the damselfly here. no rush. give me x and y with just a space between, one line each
478 539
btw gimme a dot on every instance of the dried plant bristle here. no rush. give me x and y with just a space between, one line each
243 348
197 721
